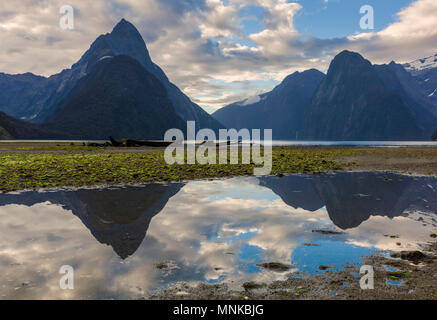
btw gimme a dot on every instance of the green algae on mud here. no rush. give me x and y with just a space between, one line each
47 170
49 165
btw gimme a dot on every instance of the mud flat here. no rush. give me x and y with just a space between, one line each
39 165
394 279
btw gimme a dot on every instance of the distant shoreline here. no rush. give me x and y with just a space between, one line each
275 143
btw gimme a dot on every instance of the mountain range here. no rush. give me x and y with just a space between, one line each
281 109
116 89
50 102
354 101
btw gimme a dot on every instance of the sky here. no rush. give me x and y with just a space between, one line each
220 51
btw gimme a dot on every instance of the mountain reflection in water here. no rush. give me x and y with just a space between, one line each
208 231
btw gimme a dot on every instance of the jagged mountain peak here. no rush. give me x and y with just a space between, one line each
41 98
124 39
348 58
346 54
124 26
352 103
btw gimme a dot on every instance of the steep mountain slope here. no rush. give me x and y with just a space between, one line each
117 97
352 103
11 128
397 79
22 94
125 39
424 72
282 109
42 96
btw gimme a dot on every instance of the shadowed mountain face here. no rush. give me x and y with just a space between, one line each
126 40
398 80
36 98
424 71
352 103
118 96
352 198
281 109
116 217
11 128
22 95
355 101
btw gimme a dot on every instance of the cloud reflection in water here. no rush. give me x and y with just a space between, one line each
210 231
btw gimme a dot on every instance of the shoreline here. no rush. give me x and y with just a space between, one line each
129 185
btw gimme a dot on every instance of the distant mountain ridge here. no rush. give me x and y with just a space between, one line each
281 109
354 101
11 128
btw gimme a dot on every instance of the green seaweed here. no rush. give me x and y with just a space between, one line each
20 171
253 285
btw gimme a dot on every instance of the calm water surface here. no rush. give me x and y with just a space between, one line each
209 231
294 143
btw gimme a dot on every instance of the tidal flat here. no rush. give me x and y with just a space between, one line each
394 279
297 236
354 205
40 165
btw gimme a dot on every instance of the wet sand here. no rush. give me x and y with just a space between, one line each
407 160
418 282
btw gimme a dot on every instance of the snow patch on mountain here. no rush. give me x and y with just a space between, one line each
250 100
422 64
105 57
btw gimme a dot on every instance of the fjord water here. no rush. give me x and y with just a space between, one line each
205 231
288 143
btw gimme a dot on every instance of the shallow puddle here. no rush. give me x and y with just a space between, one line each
128 242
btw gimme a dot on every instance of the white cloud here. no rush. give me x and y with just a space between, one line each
275 39
413 36
219 20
